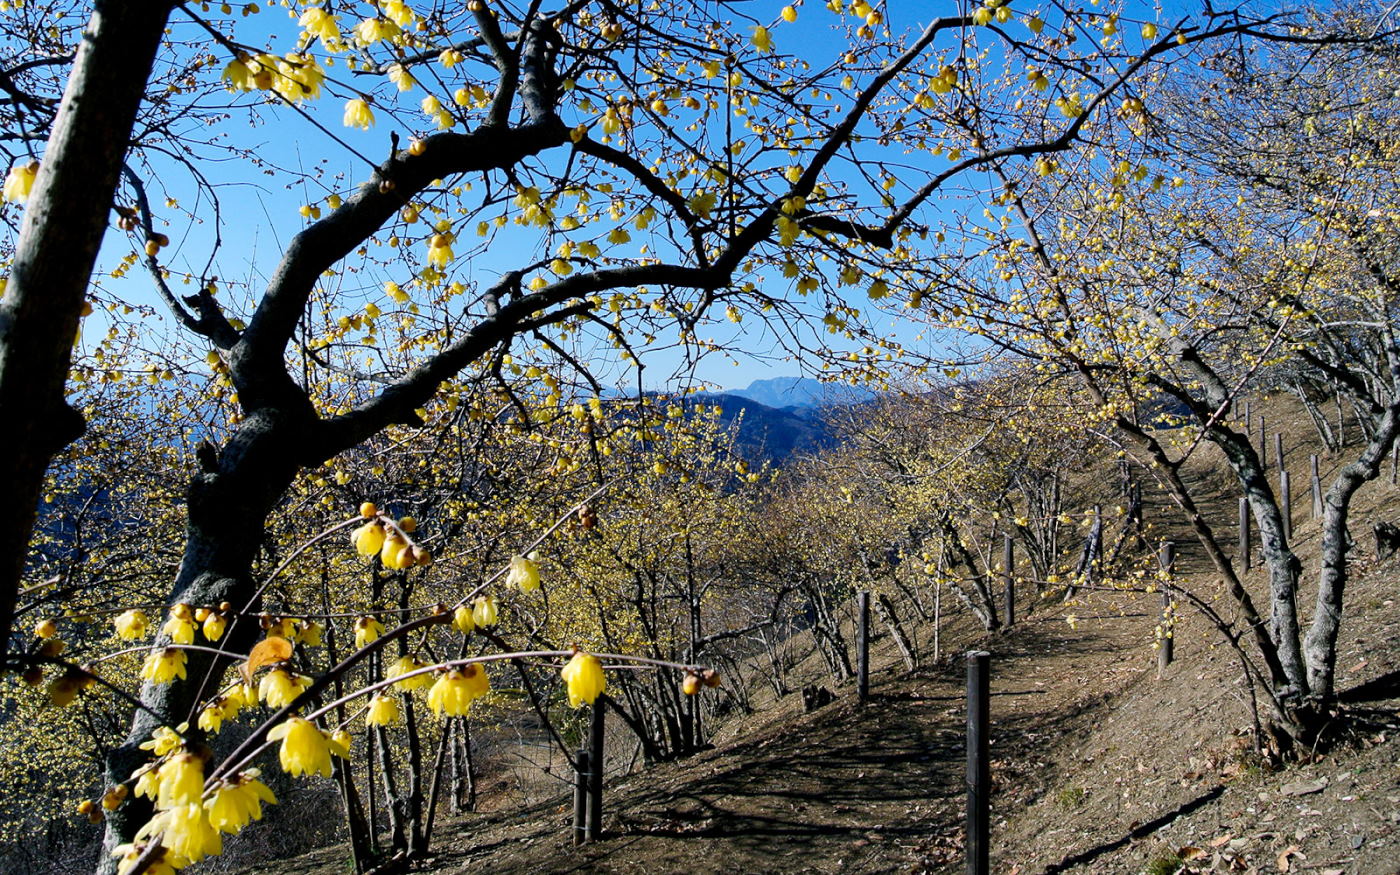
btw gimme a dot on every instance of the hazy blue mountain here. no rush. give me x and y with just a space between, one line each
800 392
771 433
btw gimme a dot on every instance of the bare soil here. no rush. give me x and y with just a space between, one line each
1100 765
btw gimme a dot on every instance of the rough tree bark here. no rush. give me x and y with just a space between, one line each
64 222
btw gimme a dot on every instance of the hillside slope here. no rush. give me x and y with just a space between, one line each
1100 766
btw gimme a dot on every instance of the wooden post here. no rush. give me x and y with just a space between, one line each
1247 419
979 773
1244 534
862 646
1166 558
1316 489
595 769
1285 488
1278 450
1008 563
1263 443
581 796
937 620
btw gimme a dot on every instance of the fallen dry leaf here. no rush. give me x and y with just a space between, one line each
1288 853
265 652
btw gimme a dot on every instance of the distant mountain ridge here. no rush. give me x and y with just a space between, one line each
800 392
770 433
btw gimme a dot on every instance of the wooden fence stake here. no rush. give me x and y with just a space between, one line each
1278 450
979 772
1166 557
581 781
595 769
937 620
1285 488
1244 534
1008 563
862 646
1316 489
1263 443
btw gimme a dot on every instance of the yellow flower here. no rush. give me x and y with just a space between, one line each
401 77
132 624
299 77
524 574
188 832
305 750
761 39
454 692
339 743
181 781
20 182
372 30
484 612
163 862
584 679
238 76
280 687
147 783
235 803
213 715
63 690
180 625
368 538
402 666
357 115
367 631
214 626
383 711
440 249
462 620
164 739
399 12
311 634
322 25
163 666
396 554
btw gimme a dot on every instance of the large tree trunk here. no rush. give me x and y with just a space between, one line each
228 508
1320 646
64 222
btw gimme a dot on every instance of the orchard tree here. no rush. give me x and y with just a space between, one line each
1265 258
557 178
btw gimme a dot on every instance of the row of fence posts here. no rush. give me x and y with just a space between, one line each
588 763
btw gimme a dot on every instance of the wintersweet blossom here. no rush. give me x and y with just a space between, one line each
305 749
132 624
237 802
484 612
524 573
20 182
358 115
163 666
584 679
367 631
454 691
383 711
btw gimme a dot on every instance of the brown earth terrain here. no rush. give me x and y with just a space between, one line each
1099 765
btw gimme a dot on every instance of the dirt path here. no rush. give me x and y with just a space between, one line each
877 788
